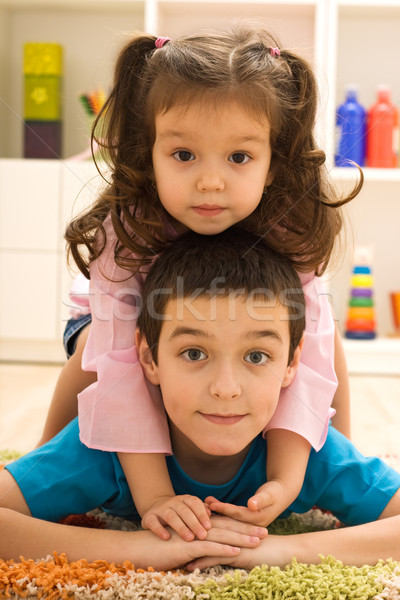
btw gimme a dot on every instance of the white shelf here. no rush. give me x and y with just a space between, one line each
76 5
32 351
368 6
349 41
378 175
373 357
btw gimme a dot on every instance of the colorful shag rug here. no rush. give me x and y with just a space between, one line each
55 577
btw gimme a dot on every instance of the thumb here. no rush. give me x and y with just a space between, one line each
261 499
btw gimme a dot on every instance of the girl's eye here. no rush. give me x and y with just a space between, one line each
194 355
239 158
256 358
183 156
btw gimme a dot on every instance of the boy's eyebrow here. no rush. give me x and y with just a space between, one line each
256 333
270 333
189 331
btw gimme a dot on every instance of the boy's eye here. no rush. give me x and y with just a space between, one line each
256 358
239 158
183 156
194 354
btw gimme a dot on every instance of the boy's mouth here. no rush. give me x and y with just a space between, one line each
208 210
222 419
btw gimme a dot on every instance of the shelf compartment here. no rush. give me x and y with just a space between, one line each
293 22
373 357
91 34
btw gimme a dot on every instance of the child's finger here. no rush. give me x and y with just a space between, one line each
185 516
153 523
261 499
183 522
241 513
200 511
242 527
232 536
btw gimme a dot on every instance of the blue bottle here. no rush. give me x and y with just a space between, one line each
351 119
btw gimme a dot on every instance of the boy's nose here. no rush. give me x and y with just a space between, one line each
225 386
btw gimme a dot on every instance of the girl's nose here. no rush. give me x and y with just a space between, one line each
225 385
210 181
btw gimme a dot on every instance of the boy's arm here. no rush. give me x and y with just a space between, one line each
287 460
359 545
155 500
23 535
341 399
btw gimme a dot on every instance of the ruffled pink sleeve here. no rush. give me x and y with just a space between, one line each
122 411
304 407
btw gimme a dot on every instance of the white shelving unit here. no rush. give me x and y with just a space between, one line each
347 41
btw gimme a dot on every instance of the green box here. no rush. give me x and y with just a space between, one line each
42 97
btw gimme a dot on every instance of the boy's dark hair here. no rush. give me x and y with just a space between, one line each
234 260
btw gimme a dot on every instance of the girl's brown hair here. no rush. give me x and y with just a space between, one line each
299 213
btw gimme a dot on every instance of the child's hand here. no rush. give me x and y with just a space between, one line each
269 501
187 515
225 540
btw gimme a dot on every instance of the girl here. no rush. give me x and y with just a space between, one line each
204 132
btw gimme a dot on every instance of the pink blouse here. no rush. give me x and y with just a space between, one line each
124 412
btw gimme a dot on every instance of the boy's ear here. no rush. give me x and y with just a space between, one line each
146 358
291 369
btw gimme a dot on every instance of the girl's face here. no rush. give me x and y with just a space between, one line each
211 166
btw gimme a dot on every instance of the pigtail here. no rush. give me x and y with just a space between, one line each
301 213
130 199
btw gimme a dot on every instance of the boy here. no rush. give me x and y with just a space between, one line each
220 331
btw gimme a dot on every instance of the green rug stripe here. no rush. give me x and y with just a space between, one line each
329 580
8 455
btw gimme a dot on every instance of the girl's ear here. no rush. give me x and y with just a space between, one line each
146 358
291 369
270 178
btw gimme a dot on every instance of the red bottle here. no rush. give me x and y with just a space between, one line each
382 131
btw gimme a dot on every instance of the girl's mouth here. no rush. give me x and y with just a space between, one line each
208 210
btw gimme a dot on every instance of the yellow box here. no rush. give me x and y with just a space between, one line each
43 58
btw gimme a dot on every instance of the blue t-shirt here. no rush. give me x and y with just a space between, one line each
65 477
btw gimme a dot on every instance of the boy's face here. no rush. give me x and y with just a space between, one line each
221 365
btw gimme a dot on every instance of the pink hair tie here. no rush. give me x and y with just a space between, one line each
160 41
274 51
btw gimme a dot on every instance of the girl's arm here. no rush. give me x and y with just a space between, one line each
287 460
304 406
64 403
341 399
156 502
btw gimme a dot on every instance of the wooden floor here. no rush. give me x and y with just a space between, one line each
26 391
